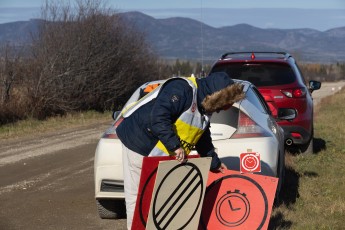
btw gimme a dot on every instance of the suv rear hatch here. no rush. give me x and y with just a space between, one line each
268 77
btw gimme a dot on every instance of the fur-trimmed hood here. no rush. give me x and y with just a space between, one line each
216 91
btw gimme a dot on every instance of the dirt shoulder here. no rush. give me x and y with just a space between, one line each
29 146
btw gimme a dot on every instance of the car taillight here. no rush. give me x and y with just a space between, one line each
295 93
248 128
296 135
110 133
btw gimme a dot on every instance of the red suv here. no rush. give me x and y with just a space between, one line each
282 84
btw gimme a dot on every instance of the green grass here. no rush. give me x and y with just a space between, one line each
317 181
33 126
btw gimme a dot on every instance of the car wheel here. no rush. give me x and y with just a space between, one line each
309 147
111 209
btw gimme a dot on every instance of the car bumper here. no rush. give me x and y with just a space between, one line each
229 152
108 169
305 135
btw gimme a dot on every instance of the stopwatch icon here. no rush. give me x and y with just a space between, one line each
233 208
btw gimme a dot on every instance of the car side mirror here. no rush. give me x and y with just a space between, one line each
286 114
116 114
314 85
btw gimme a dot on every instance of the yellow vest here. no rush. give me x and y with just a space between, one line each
188 127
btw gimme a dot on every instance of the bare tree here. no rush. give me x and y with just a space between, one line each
8 72
13 100
86 57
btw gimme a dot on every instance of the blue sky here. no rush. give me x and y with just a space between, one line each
282 14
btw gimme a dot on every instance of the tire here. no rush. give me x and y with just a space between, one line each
309 147
111 209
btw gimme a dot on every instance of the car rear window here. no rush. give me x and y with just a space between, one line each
254 96
226 117
260 74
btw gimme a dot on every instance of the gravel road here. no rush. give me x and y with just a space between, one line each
47 180
327 89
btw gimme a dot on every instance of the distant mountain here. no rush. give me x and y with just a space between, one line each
18 33
181 38
186 38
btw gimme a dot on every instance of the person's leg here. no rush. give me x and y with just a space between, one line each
132 164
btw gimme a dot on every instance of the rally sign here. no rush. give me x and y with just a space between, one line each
238 201
250 162
178 194
146 186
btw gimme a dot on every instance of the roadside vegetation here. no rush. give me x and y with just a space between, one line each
85 56
323 72
313 195
83 63
32 126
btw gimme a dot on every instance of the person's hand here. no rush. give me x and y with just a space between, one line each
222 168
180 155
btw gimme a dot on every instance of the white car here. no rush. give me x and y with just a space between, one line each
247 127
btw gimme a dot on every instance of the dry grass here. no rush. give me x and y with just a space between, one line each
315 183
33 126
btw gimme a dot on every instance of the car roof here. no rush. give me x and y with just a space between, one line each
245 83
281 57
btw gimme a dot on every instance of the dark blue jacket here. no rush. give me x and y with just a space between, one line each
153 121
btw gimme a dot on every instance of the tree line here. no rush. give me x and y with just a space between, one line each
84 56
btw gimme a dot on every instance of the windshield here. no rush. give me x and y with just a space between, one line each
260 74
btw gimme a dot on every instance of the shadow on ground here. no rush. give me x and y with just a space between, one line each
318 146
289 192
